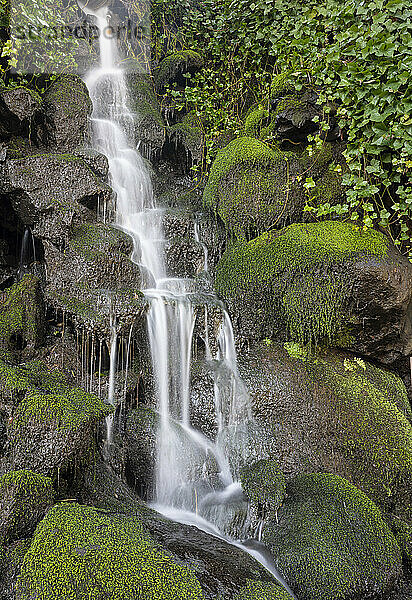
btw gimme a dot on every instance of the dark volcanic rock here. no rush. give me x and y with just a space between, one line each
48 191
18 107
66 109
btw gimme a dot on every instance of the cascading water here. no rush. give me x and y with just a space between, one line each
194 481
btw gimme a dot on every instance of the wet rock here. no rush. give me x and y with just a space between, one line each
330 541
184 257
150 129
189 132
321 283
66 110
25 497
50 192
93 278
22 318
334 412
18 108
53 425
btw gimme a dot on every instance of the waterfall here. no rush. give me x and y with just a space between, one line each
193 474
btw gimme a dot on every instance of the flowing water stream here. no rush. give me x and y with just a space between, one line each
196 481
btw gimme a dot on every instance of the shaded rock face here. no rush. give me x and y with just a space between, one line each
48 191
331 541
321 283
333 412
18 109
66 110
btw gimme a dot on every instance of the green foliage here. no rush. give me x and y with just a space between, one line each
356 56
80 552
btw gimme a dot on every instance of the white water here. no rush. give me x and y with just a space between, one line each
193 478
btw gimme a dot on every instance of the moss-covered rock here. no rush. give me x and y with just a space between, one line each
13 560
331 542
22 318
403 535
149 125
173 67
254 187
53 425
24 498
18 108
327 282
337 413
66 108
78 551
264 484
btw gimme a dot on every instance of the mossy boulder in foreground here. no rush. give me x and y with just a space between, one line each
331 542
81 552
327 282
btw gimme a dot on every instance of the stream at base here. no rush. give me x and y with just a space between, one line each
196 477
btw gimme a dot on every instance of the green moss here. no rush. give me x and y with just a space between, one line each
296 271
175 64
403 535
145 100
80 552
257 590
24 497
254 120
253 187
21 316
331 541
369 408
48 399
264 483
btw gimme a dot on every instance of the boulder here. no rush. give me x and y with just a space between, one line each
18 108
253 187
150 130
52 424
335 412
330 541
138 555
51 192
321 283
66 111
174 66
25 497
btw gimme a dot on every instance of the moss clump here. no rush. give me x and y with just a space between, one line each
403 535
21 317
331 542
369 408
253 187
24 498
175 65
257 590
264 484
255 121
81 552
297 275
